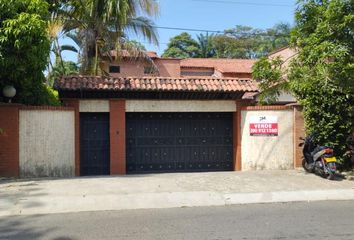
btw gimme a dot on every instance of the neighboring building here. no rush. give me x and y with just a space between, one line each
286 54
129 66
223 68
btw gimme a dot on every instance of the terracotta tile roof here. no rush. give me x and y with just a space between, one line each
155 84
222 65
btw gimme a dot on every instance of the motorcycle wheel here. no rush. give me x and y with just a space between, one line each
331 176
306 166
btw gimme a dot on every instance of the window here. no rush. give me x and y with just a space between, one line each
114 69
149 70
186 73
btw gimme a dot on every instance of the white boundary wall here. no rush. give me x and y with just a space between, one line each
94 105
268 152
47 146
162 106
180 106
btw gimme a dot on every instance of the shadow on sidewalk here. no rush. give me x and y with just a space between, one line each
22 227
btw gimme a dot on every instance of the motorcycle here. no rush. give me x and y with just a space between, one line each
350 147
318 159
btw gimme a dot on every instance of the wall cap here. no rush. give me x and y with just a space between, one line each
270 107
55 108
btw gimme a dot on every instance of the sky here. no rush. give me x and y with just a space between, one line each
215 15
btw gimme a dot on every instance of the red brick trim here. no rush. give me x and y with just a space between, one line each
240 104
74 104
260 108
235 140
117 137
299 131
9 140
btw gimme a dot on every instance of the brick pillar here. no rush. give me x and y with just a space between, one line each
299 131
237 133
117 136
75 103
235 140
9 140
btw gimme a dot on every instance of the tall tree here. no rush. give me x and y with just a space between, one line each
103 25
238 42
62 69
24 49
248 42
321 74
182 46
55 27
206 46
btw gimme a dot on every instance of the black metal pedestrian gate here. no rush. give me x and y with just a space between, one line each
179 142
94 144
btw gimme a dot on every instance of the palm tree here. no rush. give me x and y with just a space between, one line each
55 27
103 25
206 48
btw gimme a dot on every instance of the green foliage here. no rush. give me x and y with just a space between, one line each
102 25
38 94
328 112
248 42
271 81
206 46
24 49
182 46
62 69
238 42
136 45
321 74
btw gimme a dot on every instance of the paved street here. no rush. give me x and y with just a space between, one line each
315 220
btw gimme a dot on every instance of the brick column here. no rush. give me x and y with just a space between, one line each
9 140
299 131
235 139
237 133
76 105
117 136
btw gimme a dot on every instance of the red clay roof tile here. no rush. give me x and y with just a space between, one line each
156 84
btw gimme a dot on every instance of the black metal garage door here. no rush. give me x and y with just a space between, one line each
177 142
94 144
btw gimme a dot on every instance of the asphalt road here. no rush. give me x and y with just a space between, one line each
316 220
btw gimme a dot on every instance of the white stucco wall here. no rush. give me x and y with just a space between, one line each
286 97
268 152
283 97
94 106
180 106
47 145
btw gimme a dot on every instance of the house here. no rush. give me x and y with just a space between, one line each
127 65
158 114
151 115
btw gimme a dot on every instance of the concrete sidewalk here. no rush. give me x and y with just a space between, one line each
25 197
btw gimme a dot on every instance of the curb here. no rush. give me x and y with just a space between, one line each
32 205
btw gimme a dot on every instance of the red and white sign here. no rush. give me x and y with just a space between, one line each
263 126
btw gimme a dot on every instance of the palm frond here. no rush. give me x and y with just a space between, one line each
144 27
67 47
